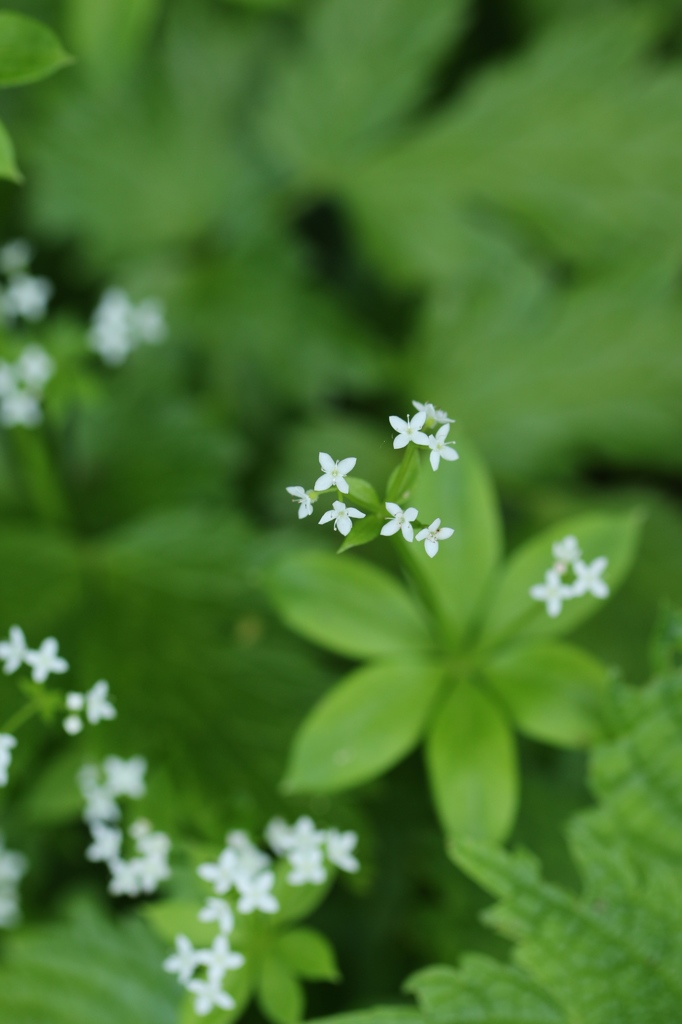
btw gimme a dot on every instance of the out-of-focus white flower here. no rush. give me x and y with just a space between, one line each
340 846
184 961
278 835
209 995
125 777
409 429
96 704
221 874
125 877
15 256
106 843
342 517
256 894
402 520
220 911
566 552
307 867
220 958
441 448
20 409
46 661
7 745
432 414
431 536
26 298
118 325
35 367
553 592
13 650
334 473
305 504
588 578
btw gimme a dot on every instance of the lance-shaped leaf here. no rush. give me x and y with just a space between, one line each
363 726
461 494
553 691
280 995
471 760
513 611
364 531
347 605
309 954
29 50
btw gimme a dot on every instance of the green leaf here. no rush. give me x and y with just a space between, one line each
363 726
363 494
107 34
280 996
297 901
461 494
363 69
364 531
554 692
514 612
346 605
471 760
309 954
8 162
29 50
404 477
169 918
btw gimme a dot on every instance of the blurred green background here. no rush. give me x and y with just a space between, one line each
345 204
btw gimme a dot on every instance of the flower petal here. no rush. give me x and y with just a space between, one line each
346 465
401 441
323 482
327 517
355 513
408 532
393 508
326 462
397 423
342 484
431 547
391 527
418 420
445 532
343 525
434 459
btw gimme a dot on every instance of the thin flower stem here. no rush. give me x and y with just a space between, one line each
19 718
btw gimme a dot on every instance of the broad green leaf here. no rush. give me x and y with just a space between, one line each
471 761
363 69
29 50
169 918
363 726
376 1015
297 901
404 477
363 495
364 532
462 495
8 161
347 605
109 33
514 612
554 692
280 996
309 954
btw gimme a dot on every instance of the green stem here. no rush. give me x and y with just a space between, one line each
20 718
41 481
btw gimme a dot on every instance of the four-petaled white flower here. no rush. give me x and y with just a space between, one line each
305 503
125 777
13 651
256 894
221 873
340 846
342 517
440 448
334 473
7 745
34 367
402 520
278 835
125 877
307 867
588 578
15 256
431 535
553 592
437 415
209 995
408 430
27 297
106 843
220 958
46 661
220 911
20 409
184 961
566 552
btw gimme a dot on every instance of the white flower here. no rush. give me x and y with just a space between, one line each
409 430
73 725
13 651
566 552
588 578
13 865
7 745
256 894
278 835
27 297
151 871
110 333
402 520
126 778
305 504
432 535
340 846
148 321
184 961
305 835
125 877
220 959
250 860
154 845
15 256
334 473
98 707
106 843
220 911
437 415
440 448
307 867
553 592
342 517
210 995
221 874
46 661
100 806
35 367
20 409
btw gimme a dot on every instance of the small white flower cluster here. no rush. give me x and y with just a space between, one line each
94 703
334 475
43 662
587 578
13 867
7 745
119 326
24 296
245 869
22 387
102 788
